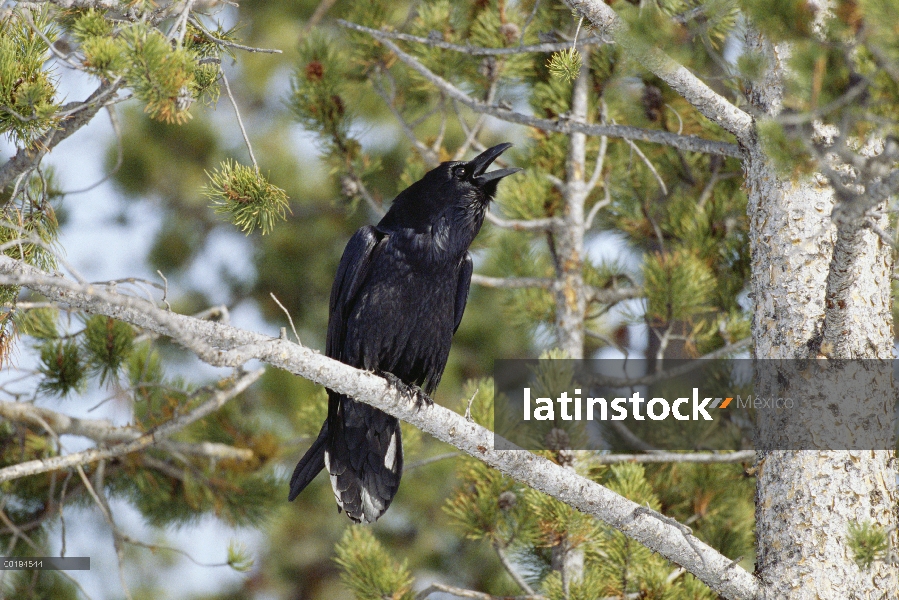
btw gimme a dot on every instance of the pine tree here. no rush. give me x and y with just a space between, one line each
741 157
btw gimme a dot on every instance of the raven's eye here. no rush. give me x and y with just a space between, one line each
459 173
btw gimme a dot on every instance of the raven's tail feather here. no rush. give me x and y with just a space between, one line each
364 457
311 463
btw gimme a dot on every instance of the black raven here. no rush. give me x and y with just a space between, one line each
397 300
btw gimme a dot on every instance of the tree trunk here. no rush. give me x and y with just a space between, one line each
807 499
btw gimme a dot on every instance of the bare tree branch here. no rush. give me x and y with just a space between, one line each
27 159
683 142
470 50
712 105
218 399
510 569
102 431
513 282
524 225
464 593
676 457
219 344
226 43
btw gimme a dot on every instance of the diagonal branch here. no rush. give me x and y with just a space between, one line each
76 459
27 159
223 344
513 282
684 142
102 431
470 50
712 105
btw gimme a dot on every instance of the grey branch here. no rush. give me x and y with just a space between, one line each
464 593
76 459
613 295
228 44
712 105
220 344
524 224
471 50
102 431
676 457
683 142
27 159
601 296
512 282
513 573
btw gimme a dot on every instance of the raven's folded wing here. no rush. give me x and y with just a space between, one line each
351 273
465 270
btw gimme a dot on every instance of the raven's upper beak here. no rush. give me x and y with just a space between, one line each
482 161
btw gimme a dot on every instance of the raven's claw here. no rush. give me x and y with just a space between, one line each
410 391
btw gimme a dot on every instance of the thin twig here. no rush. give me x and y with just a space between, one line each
289 319
228 44
239 120
648 164
98 492
320 11
513 573
165 290
463 593
512 282
120 155
179 28
600 204
428 155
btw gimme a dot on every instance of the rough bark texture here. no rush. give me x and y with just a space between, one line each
806 500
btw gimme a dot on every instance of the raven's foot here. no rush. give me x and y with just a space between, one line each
410 391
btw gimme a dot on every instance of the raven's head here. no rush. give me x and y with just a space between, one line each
450 201
470 179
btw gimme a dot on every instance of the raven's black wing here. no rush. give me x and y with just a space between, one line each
465 271
351 273
353 268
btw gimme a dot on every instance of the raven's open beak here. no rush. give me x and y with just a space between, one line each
482 161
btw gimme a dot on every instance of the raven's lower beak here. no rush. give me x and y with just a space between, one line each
482 161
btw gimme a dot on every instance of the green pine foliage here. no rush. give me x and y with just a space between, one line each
682 282
160 75
107 343
248 199
62 366
486 506
318 94
489 507
868 543
368 570
28 232
38 322
28 103
566 64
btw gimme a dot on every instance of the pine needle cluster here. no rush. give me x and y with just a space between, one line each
27 90
368 570
869 543
247 198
